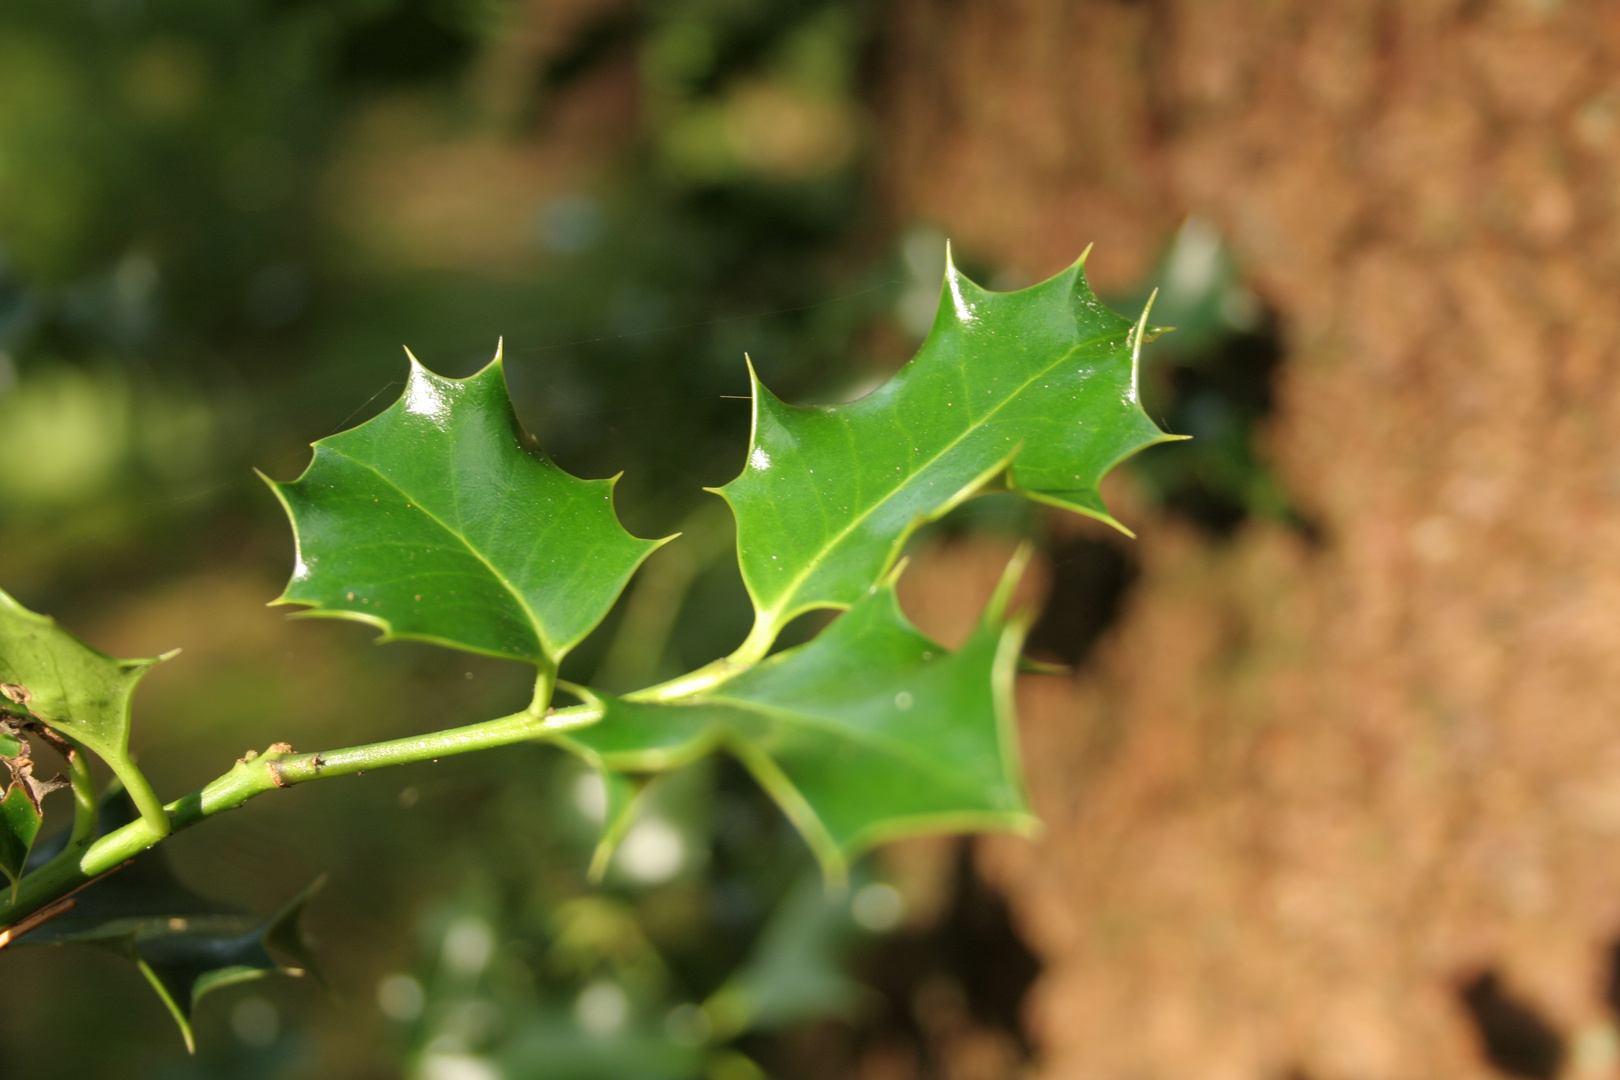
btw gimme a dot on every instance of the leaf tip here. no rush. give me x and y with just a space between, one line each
497 364
181 1014
601 859
1114 522
834 873
1001 599
1147 309
276 486
891 579
1138 332
1029 665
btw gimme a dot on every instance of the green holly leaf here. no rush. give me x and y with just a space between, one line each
52 678
435 521
868 732
1037 386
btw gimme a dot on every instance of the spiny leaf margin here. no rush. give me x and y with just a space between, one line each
782 720
445 443
821 517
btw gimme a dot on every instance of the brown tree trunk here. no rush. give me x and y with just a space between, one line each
1305 795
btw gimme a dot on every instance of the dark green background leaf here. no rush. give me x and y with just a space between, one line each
185 944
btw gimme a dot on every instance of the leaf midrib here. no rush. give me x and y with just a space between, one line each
415 502
797 582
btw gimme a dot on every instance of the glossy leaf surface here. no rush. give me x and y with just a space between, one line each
72 688
869 731
1037 385
433 521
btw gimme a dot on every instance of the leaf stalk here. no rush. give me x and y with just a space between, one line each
86 799
78 865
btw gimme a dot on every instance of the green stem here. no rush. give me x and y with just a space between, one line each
79 864
758 642
704 678
141 794
267 772
86 801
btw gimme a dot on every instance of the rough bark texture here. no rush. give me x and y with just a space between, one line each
1305 794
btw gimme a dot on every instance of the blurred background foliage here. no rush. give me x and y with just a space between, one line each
219 221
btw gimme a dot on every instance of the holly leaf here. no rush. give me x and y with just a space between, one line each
186 959
203 955
186 945
435 521
284 935
52 678
867 732
1037 386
